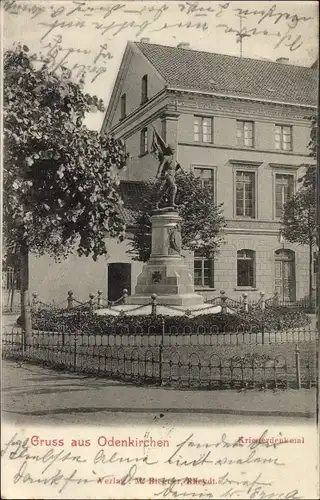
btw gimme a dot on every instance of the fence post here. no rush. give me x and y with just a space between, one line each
154 304
245 301
91 301
34 302
70 299
75 352
161 352
223 300
99 299
263 301
298 373
125 295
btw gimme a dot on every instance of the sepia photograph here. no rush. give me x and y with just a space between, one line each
160 249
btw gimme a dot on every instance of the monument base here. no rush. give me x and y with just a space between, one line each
185 299
165 274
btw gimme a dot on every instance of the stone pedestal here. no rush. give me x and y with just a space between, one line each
166 273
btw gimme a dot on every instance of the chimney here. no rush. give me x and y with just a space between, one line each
183 45
145 40
283 60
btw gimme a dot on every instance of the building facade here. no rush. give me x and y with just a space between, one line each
243 127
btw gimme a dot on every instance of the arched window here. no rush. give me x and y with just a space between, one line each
144 89
246 268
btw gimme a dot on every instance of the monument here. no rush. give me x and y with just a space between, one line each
166 273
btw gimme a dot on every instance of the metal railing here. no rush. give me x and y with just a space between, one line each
194 360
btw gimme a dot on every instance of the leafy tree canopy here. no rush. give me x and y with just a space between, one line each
299 220
202 219
60 182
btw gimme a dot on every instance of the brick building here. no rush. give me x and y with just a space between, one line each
242 125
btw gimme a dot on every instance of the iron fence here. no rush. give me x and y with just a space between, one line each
184 361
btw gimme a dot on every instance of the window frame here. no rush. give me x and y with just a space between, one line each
282 169
9 277
282 174
144 89
123 106
253 173
198 257
144 141
201 118
213 170
242 144
315 268
253 261
282 142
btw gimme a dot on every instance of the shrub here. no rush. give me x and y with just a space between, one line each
275 318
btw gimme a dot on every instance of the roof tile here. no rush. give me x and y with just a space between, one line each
242 77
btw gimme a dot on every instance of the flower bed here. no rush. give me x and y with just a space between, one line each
86 322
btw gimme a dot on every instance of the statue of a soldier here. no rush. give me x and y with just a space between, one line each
168 167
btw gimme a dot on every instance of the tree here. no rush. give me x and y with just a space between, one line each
60 182
299 219
202 219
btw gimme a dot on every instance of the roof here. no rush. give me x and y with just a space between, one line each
133 196
229 75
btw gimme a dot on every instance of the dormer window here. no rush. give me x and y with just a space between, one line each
123 106
144 89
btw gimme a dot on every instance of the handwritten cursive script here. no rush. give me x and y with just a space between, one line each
224 468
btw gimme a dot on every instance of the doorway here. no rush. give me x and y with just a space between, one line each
119 278
285 275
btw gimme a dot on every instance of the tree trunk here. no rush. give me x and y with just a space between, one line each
24 291
310 273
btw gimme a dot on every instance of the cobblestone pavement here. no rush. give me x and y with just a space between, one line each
32 394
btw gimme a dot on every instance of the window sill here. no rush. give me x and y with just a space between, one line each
143 154
245 289
200 143
244 217
204 289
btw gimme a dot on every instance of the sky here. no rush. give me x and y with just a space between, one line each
92 35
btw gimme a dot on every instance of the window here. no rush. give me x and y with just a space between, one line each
283 137
245 191
284 191
315 267
10 279
144 89
203 270
163 129
123 105
202 129
245 134
205 176
245 268
144 141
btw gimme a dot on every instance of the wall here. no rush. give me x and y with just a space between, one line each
223 153
136 67
52 280
264 245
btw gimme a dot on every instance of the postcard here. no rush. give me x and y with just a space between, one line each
160 250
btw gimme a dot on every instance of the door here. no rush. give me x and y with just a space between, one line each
119 278
285 280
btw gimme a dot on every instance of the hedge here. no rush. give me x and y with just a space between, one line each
86 322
